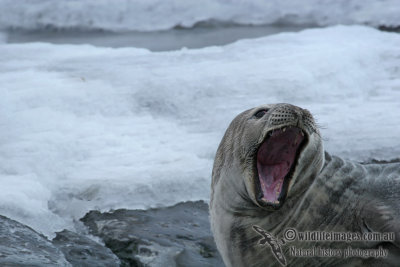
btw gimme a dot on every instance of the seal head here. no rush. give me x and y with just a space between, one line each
271 173
278 146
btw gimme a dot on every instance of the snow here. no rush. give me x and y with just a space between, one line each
84 127
151 15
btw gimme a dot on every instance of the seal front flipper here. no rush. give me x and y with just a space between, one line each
381 217
380 211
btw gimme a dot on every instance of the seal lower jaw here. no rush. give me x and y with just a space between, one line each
275 164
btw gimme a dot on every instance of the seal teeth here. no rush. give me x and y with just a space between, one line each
277 188
284 129
302 134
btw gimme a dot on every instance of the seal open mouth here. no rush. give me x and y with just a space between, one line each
276 160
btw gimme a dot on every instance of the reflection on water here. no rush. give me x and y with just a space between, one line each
156 41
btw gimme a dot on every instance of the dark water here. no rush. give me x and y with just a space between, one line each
174 39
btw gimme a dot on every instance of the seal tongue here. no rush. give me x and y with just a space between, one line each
275 158
271 179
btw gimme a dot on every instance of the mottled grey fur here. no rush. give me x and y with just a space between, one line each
326 193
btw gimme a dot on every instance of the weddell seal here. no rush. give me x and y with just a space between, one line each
278 199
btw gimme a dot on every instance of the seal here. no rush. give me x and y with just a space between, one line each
272 182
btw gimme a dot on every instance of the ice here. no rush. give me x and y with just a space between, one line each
151 15
83 127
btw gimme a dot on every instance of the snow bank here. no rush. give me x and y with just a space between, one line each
150 15
98 128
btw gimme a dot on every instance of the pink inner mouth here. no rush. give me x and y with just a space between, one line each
275 158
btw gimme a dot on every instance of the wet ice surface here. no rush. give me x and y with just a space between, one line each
174 236
20 245
87 127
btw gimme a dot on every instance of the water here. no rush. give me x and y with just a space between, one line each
173 39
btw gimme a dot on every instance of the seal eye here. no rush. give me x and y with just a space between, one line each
260 113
